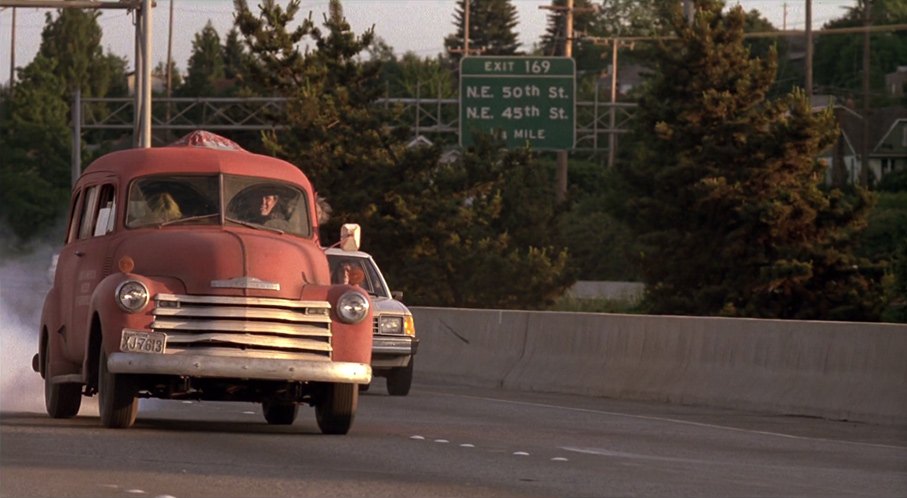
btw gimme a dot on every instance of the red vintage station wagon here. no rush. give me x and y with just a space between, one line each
194 271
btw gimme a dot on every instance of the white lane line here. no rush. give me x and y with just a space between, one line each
467 445
633 456
442 441
520 453
417 437
559 459
675 421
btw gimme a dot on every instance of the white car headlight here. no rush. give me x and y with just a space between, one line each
390 325
132 295
352 307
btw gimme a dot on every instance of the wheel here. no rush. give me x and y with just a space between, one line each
279 413
364 387
336 409
60 400
399 380
116 398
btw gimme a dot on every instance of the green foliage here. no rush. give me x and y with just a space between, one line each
34 120
599 305
896 310
491 29
886 228
724 192
206 64
885 240
450 233
895 181
838 60
458 234
588 55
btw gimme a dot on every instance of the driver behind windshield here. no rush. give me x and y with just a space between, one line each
269 212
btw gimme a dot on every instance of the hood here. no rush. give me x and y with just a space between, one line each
218 261
389 306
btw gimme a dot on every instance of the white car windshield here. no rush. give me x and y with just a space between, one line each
354 270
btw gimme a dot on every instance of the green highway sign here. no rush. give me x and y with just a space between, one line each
522 100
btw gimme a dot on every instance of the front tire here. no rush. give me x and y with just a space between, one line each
279 413
400 380
116 398
60 400
337 408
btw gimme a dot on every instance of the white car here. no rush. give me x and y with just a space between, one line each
394 341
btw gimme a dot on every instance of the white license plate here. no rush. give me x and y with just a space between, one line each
143 342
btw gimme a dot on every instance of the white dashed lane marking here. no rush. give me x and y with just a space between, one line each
417 437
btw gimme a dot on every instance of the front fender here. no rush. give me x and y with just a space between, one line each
107 314
352 342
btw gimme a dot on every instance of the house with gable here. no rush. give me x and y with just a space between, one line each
886 145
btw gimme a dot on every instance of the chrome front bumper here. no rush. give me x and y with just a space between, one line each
242 368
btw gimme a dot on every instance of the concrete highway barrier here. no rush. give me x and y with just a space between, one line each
834 370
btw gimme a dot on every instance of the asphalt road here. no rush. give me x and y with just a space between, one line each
450 441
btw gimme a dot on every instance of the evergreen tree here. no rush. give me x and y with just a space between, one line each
587 22
437 229
236 59
160 71
491 29
789 76
35 134
205 71
459 233
725 194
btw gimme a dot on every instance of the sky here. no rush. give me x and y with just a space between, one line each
406 25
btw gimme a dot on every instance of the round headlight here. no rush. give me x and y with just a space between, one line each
132 296
352 307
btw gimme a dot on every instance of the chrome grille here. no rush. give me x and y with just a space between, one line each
247 326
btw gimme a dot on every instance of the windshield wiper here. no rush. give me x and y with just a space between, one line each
190 218
255 225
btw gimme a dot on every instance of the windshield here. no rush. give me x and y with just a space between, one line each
357 271
254 202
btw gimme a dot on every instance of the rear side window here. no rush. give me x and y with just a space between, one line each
74 218
98 212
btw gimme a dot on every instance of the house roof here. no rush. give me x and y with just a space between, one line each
881 122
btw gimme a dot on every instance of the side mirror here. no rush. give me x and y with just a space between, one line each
349 237
397 295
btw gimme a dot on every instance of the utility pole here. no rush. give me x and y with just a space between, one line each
466 27
689 11
169 62
143 40
561 192
784 18
809 51
864 153
12 54
612 137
